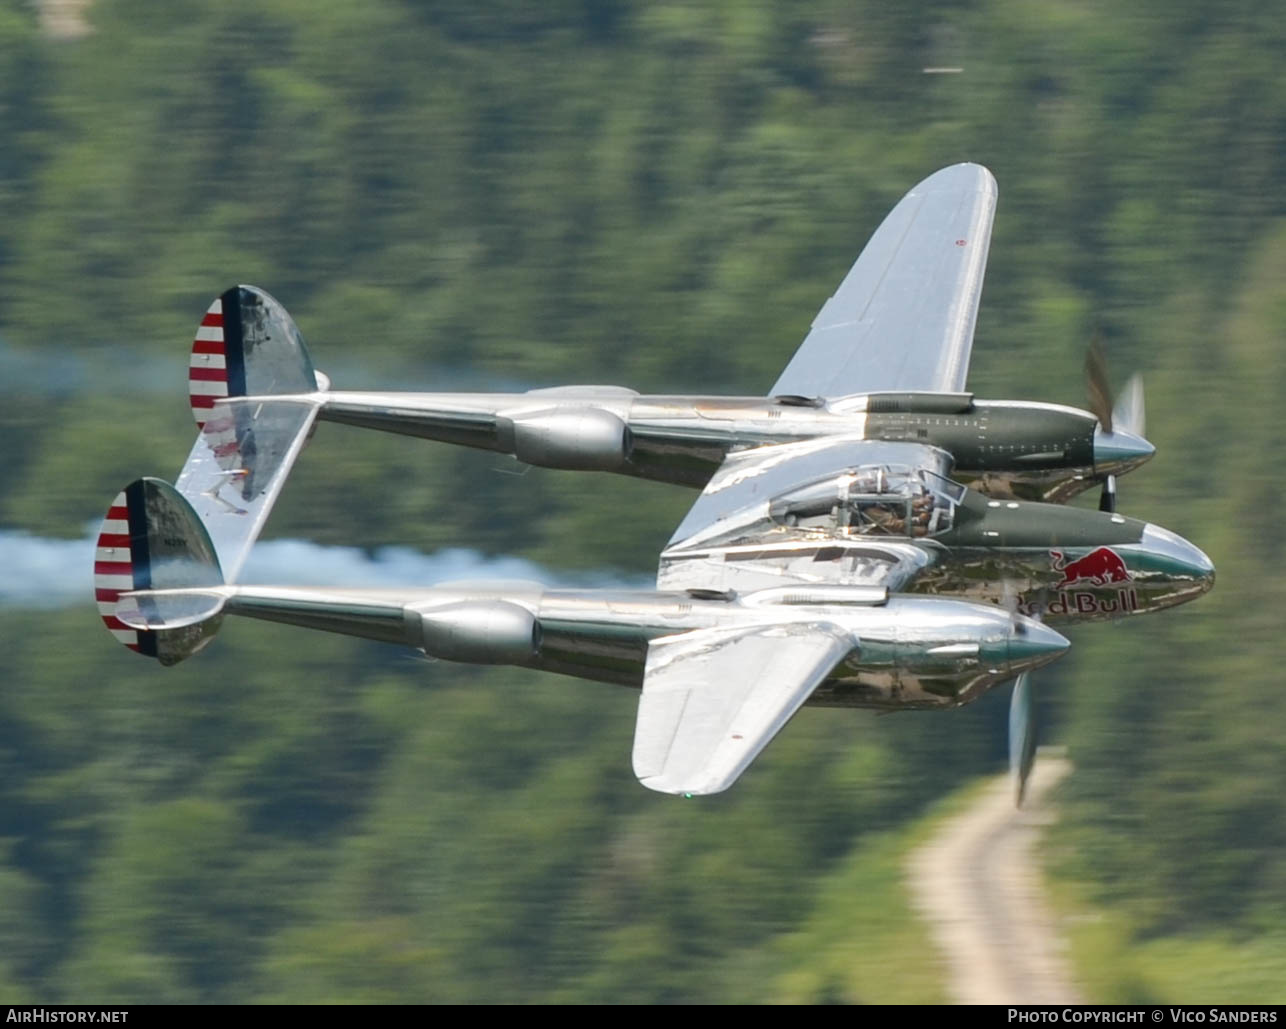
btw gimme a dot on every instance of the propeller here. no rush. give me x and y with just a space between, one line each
1022 708
1022 736
1098 386
1123 415
1128 413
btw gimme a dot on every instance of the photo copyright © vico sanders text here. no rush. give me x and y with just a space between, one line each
1169 1015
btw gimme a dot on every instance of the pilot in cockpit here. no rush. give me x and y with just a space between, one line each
884 518
921 513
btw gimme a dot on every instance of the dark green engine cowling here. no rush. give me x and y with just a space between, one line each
1024 450
991 523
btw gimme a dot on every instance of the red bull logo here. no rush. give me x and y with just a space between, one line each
1100 567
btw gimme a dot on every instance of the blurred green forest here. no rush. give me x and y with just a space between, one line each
655 194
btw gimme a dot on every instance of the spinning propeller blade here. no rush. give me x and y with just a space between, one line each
1120 435
1022 709
1022 736
1097 385
1128 413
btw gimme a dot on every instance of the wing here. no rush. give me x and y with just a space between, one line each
903 317
713 698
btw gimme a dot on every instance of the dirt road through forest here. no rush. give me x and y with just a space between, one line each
977 882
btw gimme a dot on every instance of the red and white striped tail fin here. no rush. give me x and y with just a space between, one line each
114 570
246 345
152 539
208 366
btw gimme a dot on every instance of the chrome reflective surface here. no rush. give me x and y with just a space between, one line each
908 651
1184 558
1064 563
237 467
911 651
917 281
1027 450
745 568
1034 644
811 493
1118 452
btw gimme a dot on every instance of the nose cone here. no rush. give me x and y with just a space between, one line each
1179 558
1032 644
1116 453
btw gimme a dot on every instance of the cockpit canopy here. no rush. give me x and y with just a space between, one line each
873 500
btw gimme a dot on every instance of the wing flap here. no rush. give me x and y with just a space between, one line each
713 698
903 318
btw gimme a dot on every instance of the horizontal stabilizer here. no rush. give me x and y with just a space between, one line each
169 609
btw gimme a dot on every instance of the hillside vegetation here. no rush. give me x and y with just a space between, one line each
658 195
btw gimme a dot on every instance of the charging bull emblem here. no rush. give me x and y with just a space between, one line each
1099 567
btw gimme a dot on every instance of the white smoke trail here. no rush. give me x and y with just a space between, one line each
300 563
62 372
36 572
44 573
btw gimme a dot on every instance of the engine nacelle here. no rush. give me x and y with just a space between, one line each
576 438
487 632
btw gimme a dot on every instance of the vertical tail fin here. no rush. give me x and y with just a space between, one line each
152 539
254 395
246 345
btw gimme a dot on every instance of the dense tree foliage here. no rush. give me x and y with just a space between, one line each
653 194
